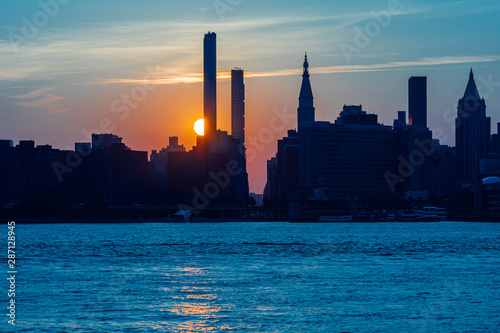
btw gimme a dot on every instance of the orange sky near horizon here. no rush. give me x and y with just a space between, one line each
172 109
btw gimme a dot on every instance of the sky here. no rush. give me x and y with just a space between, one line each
70 68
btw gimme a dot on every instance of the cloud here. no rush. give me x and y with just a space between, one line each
98 49
447 60
41 98
34 93
95 52
394 65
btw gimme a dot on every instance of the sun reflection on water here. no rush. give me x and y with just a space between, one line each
196 303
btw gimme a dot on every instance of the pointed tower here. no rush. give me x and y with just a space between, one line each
472 131
471 89
305 112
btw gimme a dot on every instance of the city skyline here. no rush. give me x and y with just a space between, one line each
50 82
258 166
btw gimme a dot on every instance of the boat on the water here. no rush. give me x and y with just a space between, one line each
432 214
426 214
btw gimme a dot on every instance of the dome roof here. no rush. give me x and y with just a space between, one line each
491 180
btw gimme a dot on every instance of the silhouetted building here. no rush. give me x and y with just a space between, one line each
6 143
105 140
487 197
489 166
401 120
205 179
230 147
287 163
417 101
214 171
112 175
472 132
420 150
185 173
495 141
271 188
237 105
305 112
349 160
26 171
356 159
83 146
444 171
354 115
258 198
210 84
160 160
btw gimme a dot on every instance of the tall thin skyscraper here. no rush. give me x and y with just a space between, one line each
210 84
237 105
417 101
305 112
472 131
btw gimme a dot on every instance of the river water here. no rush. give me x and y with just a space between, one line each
256 277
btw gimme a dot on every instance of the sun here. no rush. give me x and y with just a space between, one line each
199 126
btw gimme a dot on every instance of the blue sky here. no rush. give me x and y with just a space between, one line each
59 81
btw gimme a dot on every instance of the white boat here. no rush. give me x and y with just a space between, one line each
434 213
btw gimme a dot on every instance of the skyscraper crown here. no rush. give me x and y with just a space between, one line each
471 89
305 89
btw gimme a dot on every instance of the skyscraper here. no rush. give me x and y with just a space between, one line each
210 84
237 105
417 101
305 112
495 141
201 175
472 131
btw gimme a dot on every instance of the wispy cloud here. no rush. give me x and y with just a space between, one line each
395 65
455 8
34 93
42 98
99 49
436 61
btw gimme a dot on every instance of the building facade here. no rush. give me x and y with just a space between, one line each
210 83
108 175
238 105
355 159
417 101
472 132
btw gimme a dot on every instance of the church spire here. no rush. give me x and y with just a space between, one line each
305 112
306 90
471 89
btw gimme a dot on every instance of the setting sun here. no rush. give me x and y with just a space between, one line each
199 126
